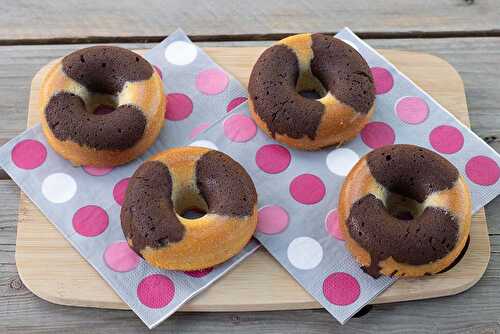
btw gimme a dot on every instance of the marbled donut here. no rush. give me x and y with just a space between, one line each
311 91
404 211
189 178
102 75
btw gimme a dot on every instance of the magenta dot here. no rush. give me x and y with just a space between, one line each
97 171
198 129
412 110
90 221
120 257
307 189
120 189
156 291
239 128
157 69
272 219
341 289
179 107
235 102
383 80
273 158
199 273
332 225
482 170
446 139
28 154
378 134
212 81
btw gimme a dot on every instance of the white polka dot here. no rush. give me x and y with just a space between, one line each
180 53
58 187
304 253
341 160
204 143
350 43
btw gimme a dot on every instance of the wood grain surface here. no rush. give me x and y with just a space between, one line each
53 270
96 20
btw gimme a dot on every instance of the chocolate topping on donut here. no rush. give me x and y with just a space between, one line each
429 237
148 217
339 68
411 171
68 119
225 185
343 72
272 89
105 69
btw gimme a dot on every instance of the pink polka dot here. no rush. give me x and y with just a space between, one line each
90 221
412 110
119 190
29 154
212 81
120 257
446 139
332 225
383 80
307 189
156 291
272 219
97 171
341 289
273 158
482 170
179 107
235 102
378 134
198 129
199 273
239 128
157 69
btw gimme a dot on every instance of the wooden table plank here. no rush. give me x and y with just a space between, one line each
32 21
474 311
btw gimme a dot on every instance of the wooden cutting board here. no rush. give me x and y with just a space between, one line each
54 271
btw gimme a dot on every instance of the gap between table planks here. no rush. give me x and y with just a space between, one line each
53 270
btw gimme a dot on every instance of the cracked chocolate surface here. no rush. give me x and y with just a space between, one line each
224 185
413 172
273 81
68 119
147 215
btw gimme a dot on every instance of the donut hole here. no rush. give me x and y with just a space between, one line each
402 207
103 109
310 87
189 204
194 213
100 104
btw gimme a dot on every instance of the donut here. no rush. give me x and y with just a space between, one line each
172 182
404 211
101 75
311 91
